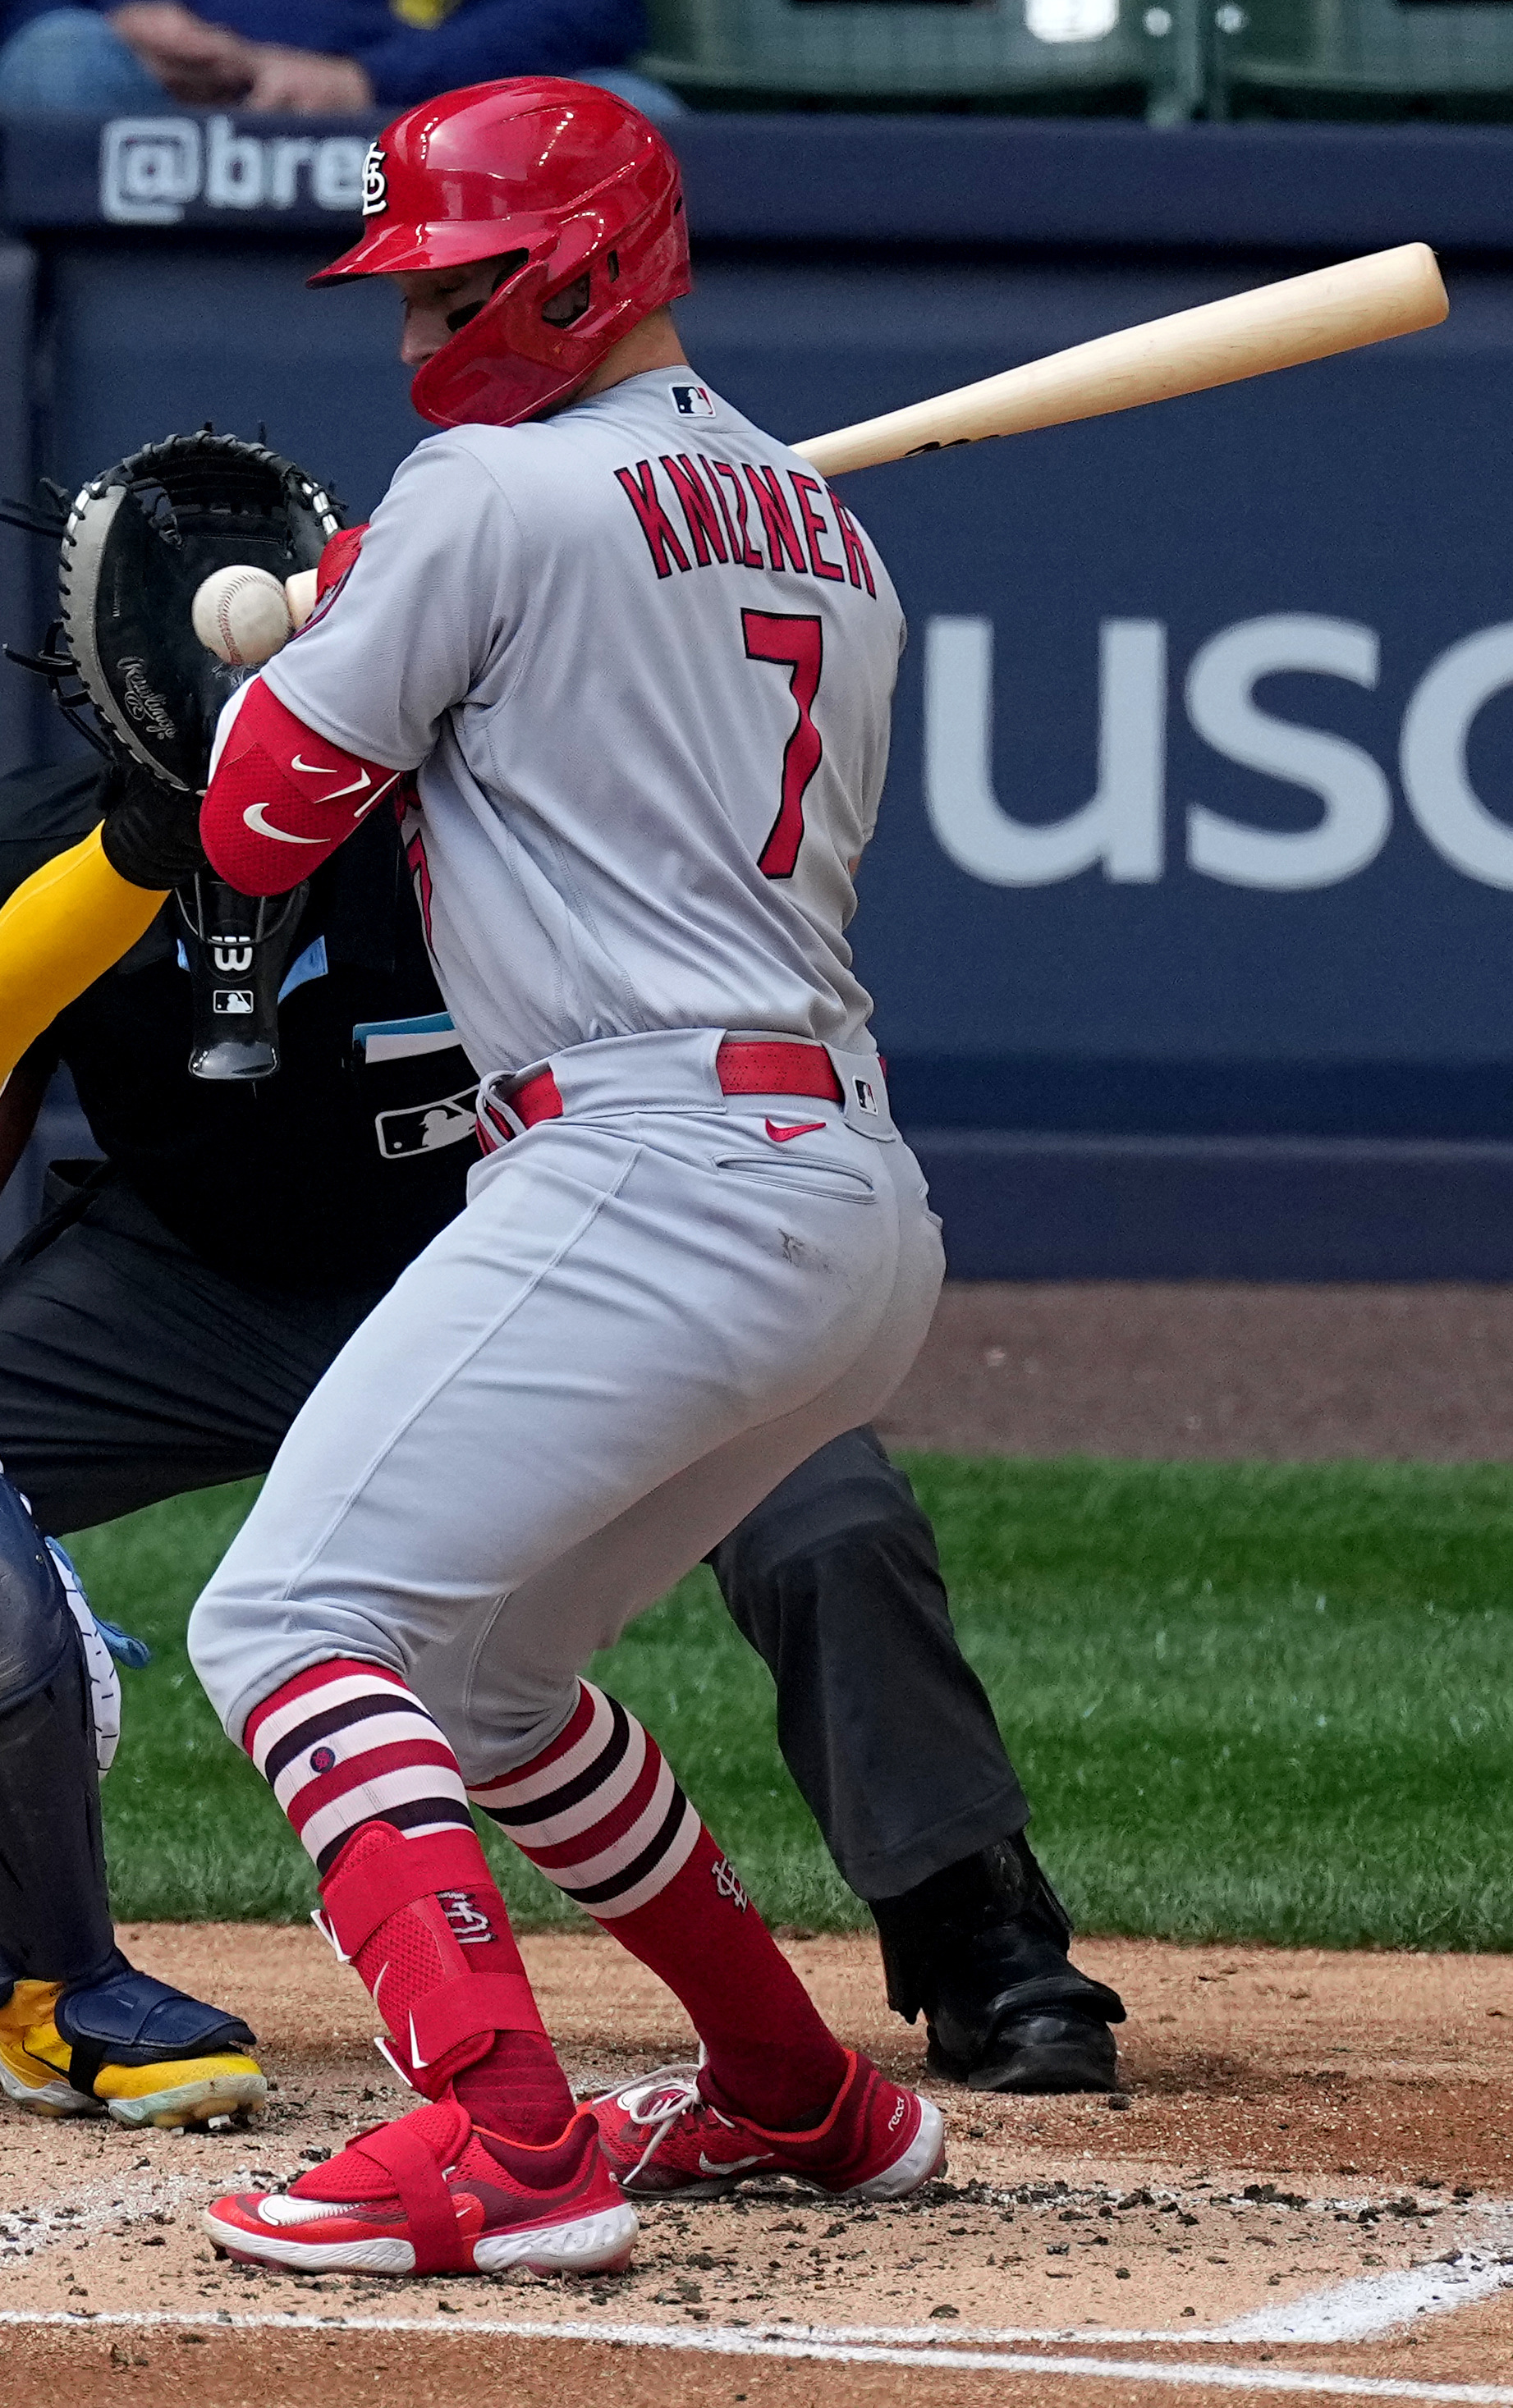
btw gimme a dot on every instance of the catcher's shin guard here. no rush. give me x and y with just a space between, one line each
981 1949
80 2030
54 1910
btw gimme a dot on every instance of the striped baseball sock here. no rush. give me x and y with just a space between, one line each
375 1793
599 1812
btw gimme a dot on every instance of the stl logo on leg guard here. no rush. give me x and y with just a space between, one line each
729 1884
465 1918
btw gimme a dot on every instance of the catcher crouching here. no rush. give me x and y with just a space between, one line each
81 2030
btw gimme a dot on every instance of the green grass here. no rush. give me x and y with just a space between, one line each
1248 1702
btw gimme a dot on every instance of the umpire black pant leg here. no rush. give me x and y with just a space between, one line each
835 1582
130 1371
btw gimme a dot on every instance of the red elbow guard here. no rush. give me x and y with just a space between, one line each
339 556
282 798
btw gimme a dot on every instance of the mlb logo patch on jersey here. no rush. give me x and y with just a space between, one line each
866 1094
692 400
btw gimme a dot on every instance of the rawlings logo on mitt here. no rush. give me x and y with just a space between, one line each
140 539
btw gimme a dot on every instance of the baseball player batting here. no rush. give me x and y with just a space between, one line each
638 663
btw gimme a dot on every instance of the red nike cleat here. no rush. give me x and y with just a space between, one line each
435 2194
877 2142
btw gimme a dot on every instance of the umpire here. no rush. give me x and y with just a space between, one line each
159 1330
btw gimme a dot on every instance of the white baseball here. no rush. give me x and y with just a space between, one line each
299 592
242 616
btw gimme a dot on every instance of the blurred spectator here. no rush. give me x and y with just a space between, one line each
309 57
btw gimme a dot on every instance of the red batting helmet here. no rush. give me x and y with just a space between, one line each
572 181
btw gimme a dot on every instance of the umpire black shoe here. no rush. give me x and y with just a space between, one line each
980 1950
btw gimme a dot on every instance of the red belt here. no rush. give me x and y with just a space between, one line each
743 1067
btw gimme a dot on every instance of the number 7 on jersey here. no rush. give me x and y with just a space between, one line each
797 644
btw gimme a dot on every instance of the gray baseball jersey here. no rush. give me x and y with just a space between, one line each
643 659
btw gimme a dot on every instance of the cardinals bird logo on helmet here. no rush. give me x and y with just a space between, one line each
575 194
375 182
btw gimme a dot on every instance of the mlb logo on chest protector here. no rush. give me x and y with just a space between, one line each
691 400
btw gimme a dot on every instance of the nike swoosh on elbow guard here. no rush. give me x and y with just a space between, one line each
329 770
253 818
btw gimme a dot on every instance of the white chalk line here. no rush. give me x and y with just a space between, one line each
1373 2304
1362 2309
731 2341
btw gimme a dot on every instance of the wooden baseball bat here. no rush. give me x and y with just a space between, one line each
1276 326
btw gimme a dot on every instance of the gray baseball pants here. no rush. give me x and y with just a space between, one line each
653 1309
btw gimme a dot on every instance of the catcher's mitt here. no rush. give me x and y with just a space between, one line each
140 540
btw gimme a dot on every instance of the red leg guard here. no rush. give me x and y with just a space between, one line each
425 1925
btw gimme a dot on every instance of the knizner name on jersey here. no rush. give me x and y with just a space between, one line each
698 510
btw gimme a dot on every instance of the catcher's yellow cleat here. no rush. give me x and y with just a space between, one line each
97 2051
33 2081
